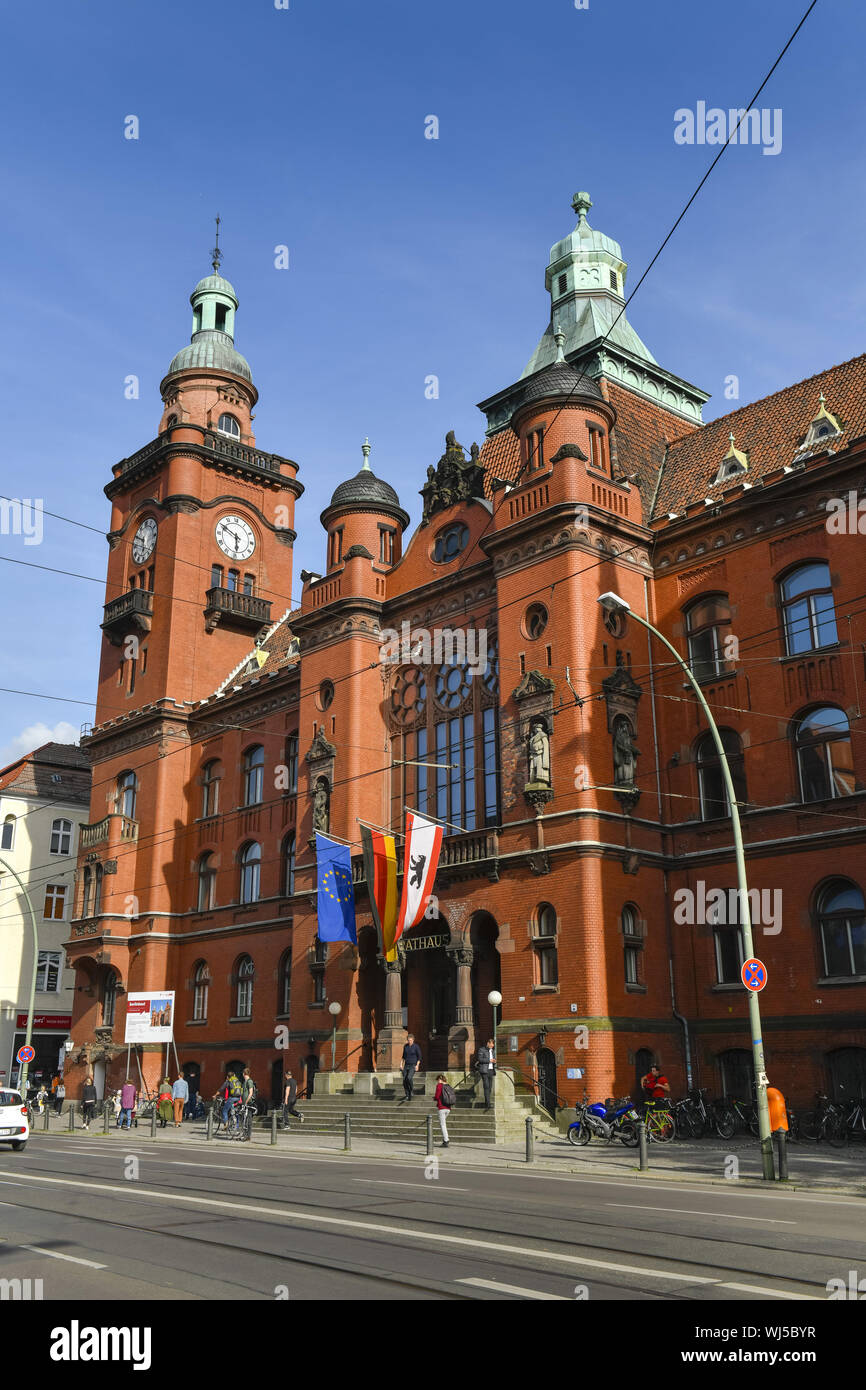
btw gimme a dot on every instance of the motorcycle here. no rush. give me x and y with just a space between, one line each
616 1119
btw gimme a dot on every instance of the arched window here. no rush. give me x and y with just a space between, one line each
87 896
61 836
292 764
251 866
632 944
737 1073
711 783
824 755
206 882
171 422
807 608
450 542
229 425
127 791
544 946
707 624
289 864
201 989
8 838
109 999
254 772
284 982
842 928
211 774
97 890
245 976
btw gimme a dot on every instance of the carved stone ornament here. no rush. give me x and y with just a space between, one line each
455 478
322 806
622 695
539 862
320 749
569 451
538 797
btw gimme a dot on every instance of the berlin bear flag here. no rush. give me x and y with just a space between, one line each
420 862
335 899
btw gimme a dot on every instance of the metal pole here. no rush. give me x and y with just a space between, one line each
127 1061
429 1119
273 1126
25 1066
641 1139
782 1141
530 1141
105 1116
45 1122
209 1129
71 1116
745 913
347 1132
334 1046
153 1121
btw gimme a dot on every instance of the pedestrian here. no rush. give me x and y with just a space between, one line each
190 1108
88 1100
655 1088
116 1105
445 1097
163 1102
59 1097
290 1095
486 1068
249 1089
411 1063
41 1097
179 1098
128 1098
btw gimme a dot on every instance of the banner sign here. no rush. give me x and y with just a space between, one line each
424 943
51 1021
149 1017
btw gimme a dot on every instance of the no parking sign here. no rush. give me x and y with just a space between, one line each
754 974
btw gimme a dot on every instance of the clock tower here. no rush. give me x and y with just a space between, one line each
201 528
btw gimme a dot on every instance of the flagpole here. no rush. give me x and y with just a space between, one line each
383 830
438 819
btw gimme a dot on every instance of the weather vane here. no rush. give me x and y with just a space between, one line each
216 253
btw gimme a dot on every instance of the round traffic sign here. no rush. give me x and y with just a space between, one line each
26 1054
754 974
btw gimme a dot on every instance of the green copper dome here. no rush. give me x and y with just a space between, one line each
214 303
211 349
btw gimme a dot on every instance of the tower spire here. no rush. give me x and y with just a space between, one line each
216 253
365 450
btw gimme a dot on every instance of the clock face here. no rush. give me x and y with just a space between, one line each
235 538
144 540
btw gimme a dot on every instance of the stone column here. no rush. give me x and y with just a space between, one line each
392 1037
461 1034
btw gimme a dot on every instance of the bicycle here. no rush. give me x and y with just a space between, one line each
240 1121
825 1122
659 1122
688 1120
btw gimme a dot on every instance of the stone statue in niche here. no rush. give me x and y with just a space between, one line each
320 806
625 754
539 754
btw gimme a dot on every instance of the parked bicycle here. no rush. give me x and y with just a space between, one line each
659 1121
825 1123
240 1121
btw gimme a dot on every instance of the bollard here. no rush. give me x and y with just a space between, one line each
781 1137
429 1119
71 1116
209 1129
641 1139
530 1140
106 1116
347 1132
273 1126
153 1121
46 1119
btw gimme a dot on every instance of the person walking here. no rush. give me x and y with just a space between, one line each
290 1095
59 1097
128 1098
486 1067
179 1098
163 1102
411 1063
190 1107
116 1105
88 1100
41 1097
444 1097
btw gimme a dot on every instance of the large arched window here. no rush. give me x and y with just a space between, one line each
109 998
87 896
289 864
824 756
211 774
61 836
97 890
707 623
228 425
632 944
284 982
842 928
254 775
127 792
206 882
807 608
8 838
544 946
245 976
711 783
251 867
201 989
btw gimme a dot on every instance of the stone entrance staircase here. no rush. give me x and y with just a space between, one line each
373 1102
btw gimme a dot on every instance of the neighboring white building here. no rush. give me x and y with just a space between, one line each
44 797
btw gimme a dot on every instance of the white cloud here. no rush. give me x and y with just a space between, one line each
33 737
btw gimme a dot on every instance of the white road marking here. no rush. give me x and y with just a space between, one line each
772 1293
55 1255
512 1288
686 1211
438 1187
188 1163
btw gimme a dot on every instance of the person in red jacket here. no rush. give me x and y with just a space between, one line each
443 1099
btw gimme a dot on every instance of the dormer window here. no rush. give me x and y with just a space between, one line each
229 425
734 462
822 428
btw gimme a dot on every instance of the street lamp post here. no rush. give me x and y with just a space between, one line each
334 1010
614 604
25 1066
494 998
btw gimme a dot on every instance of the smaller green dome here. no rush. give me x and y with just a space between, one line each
214 284
211 349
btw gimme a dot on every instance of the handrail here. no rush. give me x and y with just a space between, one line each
564 1104
361 1045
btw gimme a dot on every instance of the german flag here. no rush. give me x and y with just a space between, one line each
380 868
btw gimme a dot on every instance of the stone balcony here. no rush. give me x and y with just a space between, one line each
235 609
111 830
132 613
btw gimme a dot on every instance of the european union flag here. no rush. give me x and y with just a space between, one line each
335 901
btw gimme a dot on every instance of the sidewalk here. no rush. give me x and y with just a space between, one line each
812 1167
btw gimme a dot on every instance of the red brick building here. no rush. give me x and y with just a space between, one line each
586 822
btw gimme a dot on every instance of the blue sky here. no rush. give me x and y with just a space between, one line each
408 257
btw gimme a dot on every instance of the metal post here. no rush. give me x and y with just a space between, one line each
429 1119
25 1066
273 1126
153 1121
71 1116
209 1129
347 1132
46 1121
642 1149
106 1115
782 1142
745 913
530 1140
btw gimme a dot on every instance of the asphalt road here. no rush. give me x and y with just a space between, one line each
115 1221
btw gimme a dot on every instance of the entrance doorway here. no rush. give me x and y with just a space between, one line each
99 1079
311 1066
547 1087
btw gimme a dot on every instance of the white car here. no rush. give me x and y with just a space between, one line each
14 1125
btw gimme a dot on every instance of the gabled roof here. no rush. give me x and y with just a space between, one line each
32 773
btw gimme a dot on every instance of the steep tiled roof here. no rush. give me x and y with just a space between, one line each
31 775
500 458
275 647
769 432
